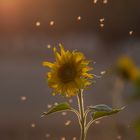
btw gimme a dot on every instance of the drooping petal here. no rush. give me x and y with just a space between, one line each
86 75
48 64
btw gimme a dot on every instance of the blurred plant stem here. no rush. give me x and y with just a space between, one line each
82 115
117 92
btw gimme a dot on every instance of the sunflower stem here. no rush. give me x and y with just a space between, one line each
82 114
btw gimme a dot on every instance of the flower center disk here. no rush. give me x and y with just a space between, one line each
67 73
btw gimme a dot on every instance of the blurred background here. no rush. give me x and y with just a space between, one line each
102 29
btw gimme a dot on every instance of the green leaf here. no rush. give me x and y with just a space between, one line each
101 107
100 114
57 108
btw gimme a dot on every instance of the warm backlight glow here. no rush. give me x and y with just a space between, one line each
8 6
10 12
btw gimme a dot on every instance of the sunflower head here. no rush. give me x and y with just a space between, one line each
127 69
69 72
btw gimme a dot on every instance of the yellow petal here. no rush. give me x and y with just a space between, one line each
67 58
78 56
57 55
87 83
49 75
48 64
86 75
62 50
86 69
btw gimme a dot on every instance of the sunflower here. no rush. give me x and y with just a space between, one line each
69 72
128 69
